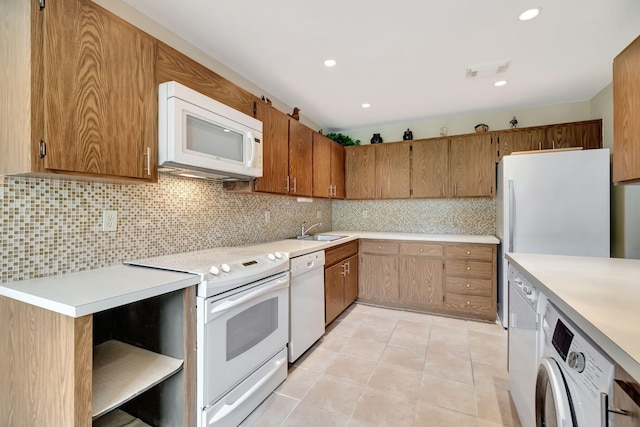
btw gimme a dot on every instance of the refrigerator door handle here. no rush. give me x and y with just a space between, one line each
511 208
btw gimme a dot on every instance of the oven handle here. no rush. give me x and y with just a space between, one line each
231 303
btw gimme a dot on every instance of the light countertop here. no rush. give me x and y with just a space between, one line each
91 291
600 295
294 248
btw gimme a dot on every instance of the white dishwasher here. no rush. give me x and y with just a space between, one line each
306 305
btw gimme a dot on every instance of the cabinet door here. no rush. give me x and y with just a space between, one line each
567 135
322 150
351 281
360 172
421 281
472 166
430 168
626 396
300 159
101 100
626 110
519 140
337 170
392 171
379 278
333 292
275 150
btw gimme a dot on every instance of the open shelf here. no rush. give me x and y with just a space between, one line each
122 372
118 418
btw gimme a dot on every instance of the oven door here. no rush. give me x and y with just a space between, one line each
553 403
238 333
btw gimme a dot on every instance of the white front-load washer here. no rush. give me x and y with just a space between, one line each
573 372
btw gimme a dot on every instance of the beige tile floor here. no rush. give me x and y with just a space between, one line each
382 367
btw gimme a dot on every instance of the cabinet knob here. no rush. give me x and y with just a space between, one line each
379 247
468 268
468 285
468 303
468 252
421 249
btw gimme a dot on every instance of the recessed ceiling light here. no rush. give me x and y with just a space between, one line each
500 83
530 14
365 105
330 63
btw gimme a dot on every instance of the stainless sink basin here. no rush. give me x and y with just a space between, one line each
321 237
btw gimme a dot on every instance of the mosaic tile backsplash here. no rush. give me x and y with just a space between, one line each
55 226
433 216
52 227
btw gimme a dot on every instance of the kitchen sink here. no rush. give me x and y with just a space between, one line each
321 237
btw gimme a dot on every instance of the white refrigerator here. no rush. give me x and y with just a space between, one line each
551 203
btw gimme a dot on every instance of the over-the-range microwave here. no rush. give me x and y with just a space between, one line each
201 137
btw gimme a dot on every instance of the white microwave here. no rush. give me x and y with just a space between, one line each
201 137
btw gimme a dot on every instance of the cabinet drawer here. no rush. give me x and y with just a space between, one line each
379 246
469 286
478 269
339 253
470 303
419 248
484 252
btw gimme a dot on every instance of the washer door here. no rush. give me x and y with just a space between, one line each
553 403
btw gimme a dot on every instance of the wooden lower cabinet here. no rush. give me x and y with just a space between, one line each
445 278
420 281
626 396
340 279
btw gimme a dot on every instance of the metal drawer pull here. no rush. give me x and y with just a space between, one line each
605 409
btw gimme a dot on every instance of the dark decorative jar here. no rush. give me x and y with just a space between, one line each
408 135
377 139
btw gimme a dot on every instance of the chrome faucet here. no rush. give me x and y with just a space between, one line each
304 231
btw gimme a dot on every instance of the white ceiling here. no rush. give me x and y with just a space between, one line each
407 58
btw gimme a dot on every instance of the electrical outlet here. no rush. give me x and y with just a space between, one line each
365 214
267 216
319 214
109 220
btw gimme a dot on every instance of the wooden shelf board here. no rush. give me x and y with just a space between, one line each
118 418
122 371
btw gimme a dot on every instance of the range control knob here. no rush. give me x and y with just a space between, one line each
225 268
278 255
214 270
576 361
271 257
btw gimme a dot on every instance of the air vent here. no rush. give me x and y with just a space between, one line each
487 70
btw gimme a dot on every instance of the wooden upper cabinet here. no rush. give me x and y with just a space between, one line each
275 150
337 170
471 166
511 141
99 92
360 172
582 134
393 172
430 168
321 166
300 159
626 114
86 81
328 168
